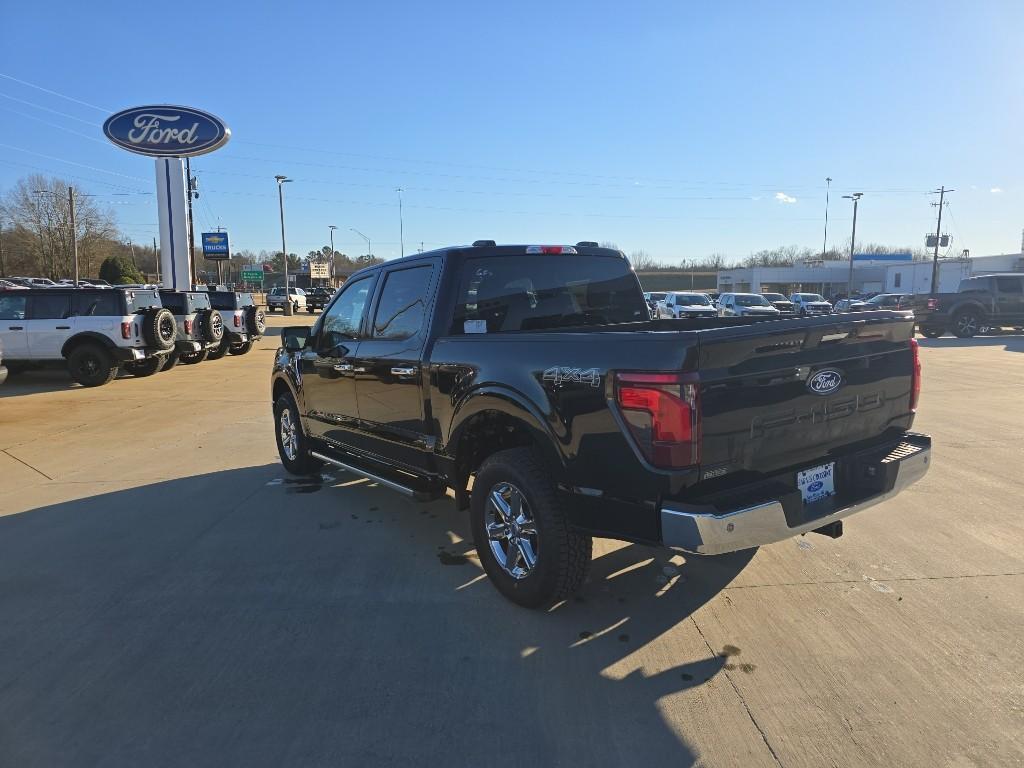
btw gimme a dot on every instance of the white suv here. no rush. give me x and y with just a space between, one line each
275 299
680 306
244 322
811 304
745 305
96 332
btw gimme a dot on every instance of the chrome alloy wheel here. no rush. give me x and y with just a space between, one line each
511 530
967 324
289 434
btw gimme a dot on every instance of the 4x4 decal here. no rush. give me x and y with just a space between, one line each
563 375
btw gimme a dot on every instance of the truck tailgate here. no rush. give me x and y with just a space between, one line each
772 397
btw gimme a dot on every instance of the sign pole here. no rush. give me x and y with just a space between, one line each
175 260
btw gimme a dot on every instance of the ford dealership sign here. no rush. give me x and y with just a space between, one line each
166 131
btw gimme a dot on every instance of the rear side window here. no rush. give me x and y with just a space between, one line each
12 307
174 302
1009 285
402 303
530 293
96 304
51 306
222 300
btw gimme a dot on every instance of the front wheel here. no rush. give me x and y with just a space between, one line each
292 443
966 324
91 365
931 331
522 533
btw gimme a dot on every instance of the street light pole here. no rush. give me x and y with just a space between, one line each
856 196
281 180
401 224
369 250
74 231
824 244
332 228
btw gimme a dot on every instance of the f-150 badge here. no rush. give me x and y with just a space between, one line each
562 375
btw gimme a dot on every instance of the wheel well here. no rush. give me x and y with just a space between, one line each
485 434
280 388
85 338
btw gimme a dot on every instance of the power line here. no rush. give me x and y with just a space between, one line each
55 125
72 162
47 109
55 93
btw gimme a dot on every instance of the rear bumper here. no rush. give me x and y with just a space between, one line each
134 354
872 477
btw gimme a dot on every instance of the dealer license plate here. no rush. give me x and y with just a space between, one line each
817 483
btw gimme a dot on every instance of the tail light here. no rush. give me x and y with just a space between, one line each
662 413
915 376
238 319
550 249
126 330
933 303
188 326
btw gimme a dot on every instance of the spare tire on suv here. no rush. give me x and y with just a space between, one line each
212 325
158 328
255 320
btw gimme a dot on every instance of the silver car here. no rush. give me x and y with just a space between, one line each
745 305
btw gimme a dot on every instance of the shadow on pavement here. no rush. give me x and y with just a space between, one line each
247 618
1011 341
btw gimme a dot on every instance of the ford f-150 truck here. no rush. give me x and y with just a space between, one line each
530 382
986 301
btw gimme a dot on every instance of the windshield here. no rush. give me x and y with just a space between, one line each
657 296
749 300
530 293
774 297
687 299
810 297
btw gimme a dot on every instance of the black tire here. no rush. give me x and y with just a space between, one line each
220 351
146 367
191 358
296 458
295 308
170 361
309 309
159 328
242 348
562 555
966 323
212 325
255 321
91 365
931 332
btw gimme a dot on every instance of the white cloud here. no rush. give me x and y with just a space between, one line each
996 190
782 197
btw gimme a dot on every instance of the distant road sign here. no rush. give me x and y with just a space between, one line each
318 269
215 246
252 275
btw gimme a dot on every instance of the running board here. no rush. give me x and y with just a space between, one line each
412 493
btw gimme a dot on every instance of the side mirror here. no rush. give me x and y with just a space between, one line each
294 338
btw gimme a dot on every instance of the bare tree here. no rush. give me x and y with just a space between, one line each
642 261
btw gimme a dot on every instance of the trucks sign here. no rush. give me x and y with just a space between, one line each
215 246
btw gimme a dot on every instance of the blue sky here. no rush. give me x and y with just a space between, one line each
680 128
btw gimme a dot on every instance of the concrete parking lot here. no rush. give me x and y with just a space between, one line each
168 596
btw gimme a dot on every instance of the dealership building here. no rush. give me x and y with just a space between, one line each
872 273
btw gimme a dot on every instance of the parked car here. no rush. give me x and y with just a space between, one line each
276 299
318 298
244 323
653 299
986 301
781 303
9 284
811 304
745 304
533 374
895 301
95 332
681 306
200 328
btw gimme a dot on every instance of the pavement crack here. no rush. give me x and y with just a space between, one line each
20 461
739 695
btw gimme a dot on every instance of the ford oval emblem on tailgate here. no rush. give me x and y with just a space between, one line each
825 382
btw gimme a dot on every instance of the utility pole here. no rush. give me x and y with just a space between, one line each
190 189
3 270
941 192
401 224
74 231
824 244
856 196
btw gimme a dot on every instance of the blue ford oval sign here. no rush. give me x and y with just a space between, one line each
825 382
166 131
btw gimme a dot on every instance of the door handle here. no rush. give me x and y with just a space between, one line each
63 327
16 328
343 368
403 371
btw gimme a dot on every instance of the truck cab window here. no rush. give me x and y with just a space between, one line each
400 310
341 322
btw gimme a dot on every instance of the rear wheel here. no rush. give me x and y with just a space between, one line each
966 323
91 365
146 367
171 361
242 348
292 443
191 358
931 331
522 533
220 351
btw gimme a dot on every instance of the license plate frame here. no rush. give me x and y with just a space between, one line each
817 483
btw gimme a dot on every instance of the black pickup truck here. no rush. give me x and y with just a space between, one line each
986 301
531 383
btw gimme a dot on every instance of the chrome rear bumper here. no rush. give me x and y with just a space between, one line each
695 530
